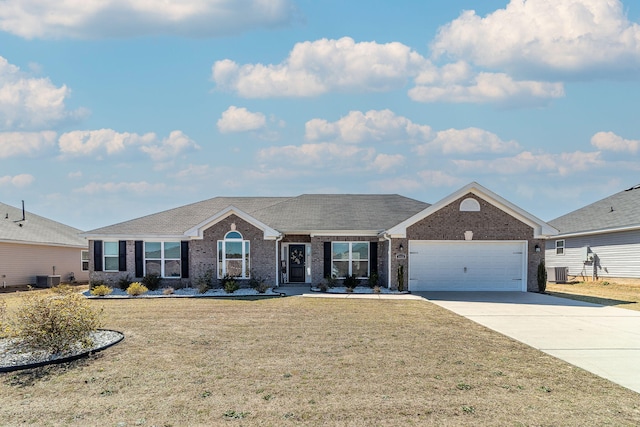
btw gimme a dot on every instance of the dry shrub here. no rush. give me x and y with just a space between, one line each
137 288
55 323
168 291
4 327
101 291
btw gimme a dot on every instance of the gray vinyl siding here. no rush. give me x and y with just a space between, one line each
617 255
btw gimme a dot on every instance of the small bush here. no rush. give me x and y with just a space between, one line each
101 291
542 277
323 287
258 283
55 323
137 288
229 284
205 282
4 327
374 279
95 284
351 281
376 289
332 282
124 282
151 281
63 289
168 291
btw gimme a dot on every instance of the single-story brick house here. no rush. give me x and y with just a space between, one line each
33 247
470 240
601 240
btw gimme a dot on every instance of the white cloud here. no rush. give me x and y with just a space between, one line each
398 185
128 18
321 66
498 88
356 127
176 143
563 164
609 141
31 103
434 178
566 36
236 119
467 141
141 187
386 162
25 143
19 181
319 156
110 142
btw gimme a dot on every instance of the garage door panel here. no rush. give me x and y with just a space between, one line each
464 265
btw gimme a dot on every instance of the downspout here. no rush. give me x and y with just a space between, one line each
388 239
278 240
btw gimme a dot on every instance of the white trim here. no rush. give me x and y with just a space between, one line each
340 233
197 232
57 245
541 228
599 231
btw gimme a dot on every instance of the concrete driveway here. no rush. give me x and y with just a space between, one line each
601 340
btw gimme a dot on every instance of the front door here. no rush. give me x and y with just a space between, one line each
297 263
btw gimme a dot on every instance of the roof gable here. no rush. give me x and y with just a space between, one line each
541 229
197 231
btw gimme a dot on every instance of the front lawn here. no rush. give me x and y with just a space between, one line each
621 295
309 361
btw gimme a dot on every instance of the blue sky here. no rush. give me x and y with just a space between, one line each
117 109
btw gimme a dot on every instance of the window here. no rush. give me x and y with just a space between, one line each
234 256
111 256
163 259
559 247
84 257
349 258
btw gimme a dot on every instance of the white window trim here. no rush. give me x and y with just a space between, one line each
162 258
351 257
105 256
83 260
246 257
562 247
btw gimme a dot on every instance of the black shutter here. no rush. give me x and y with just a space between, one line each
139 259
373 257
184 258
122 255
97 255
327 259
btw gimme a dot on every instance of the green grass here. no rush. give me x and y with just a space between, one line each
308 361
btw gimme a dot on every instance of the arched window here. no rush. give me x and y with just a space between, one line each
234 256
469 205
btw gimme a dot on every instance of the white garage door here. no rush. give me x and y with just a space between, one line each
467 266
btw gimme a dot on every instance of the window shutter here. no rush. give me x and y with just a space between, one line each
373 257
97 255
327 259
184 258
122 255
139 259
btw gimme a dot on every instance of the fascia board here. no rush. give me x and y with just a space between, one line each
27 242
599 231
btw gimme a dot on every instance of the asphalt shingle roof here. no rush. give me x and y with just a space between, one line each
36 229
308 212
620 210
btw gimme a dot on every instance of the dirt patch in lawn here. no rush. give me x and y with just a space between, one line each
309 361
622 295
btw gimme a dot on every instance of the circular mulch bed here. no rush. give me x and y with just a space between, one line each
13 359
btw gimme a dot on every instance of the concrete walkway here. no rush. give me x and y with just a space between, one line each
601 340
305 292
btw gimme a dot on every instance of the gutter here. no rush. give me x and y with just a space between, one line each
278 240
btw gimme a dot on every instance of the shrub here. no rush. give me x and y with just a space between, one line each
56 323
168 291
95 284
542 277
124 282
374 279
4 327
331 281
62 289
229 284
351 281
376 289
137 288
323 287
101 291
401 278
151 281
205 282
258 283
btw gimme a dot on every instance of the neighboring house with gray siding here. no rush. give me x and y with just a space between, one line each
32 246
470 240
601 240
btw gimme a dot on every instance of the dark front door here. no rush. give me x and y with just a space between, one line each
296 263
